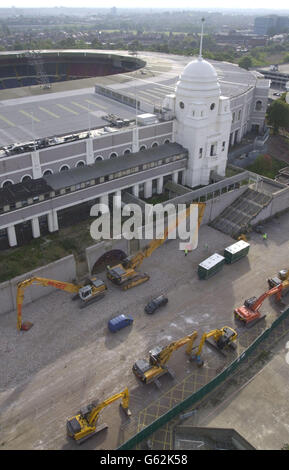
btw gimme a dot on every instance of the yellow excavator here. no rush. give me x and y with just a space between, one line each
93 290
125 274
149 371
222 338
84 424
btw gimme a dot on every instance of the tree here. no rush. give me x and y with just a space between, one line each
245 62
278 115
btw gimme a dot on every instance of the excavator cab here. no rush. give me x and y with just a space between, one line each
116 274
140 367
85 292
93 288
227 337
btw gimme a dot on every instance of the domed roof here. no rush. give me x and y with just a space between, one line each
199 69
199 76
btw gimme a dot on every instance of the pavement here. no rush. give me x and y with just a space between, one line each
69 358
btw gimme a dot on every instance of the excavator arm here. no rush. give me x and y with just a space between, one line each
222 338
249 312
154 244
66 286
93 417
84 424
274 291
158 357
166 353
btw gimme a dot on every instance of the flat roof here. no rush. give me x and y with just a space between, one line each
34 188
113 165
31 113
23 191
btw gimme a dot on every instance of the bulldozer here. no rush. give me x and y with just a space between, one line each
125 274
84 424
93 290
222 338
151 370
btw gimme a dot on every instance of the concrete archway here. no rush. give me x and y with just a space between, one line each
110 258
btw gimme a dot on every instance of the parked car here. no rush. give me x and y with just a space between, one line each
156 303
119 322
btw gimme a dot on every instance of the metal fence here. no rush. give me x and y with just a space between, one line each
202 392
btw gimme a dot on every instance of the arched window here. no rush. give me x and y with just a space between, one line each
167 141
7 183
258 106
47 172
98 158
155 144
127 151
80 164
143 147
25 178
64 168
113 155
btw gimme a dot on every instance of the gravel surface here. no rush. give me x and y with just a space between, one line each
70 358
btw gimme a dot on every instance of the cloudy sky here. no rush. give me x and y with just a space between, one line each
277 4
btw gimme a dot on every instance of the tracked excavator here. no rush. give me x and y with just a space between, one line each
222 338
84 424
94 289
125 274
249 313
151 370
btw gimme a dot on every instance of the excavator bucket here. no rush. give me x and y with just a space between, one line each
25 326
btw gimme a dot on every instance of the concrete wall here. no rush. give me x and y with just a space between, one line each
215 206
279 203
63 269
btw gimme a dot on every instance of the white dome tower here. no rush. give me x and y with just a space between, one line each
203 121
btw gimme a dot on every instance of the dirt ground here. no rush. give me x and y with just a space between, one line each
69 358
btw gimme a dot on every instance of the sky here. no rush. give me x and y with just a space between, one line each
242 4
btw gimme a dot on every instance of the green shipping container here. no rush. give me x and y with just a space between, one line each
210 266
236 251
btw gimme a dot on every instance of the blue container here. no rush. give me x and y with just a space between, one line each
119 322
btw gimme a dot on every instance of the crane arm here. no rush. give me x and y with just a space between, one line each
168 350
274 291
95 412
204 337
66 286
154 244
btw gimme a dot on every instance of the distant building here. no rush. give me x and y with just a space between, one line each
264 25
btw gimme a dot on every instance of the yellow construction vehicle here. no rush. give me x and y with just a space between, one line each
222 338
93 290
84 424
149 371
242 237
125 275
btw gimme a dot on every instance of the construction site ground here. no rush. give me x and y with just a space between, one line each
69 358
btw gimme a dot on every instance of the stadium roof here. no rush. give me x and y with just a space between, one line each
74 106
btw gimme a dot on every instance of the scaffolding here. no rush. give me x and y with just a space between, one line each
35 60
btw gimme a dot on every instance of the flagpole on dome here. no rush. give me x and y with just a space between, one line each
201 41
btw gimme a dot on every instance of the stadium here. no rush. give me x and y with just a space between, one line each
30 68
53 130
